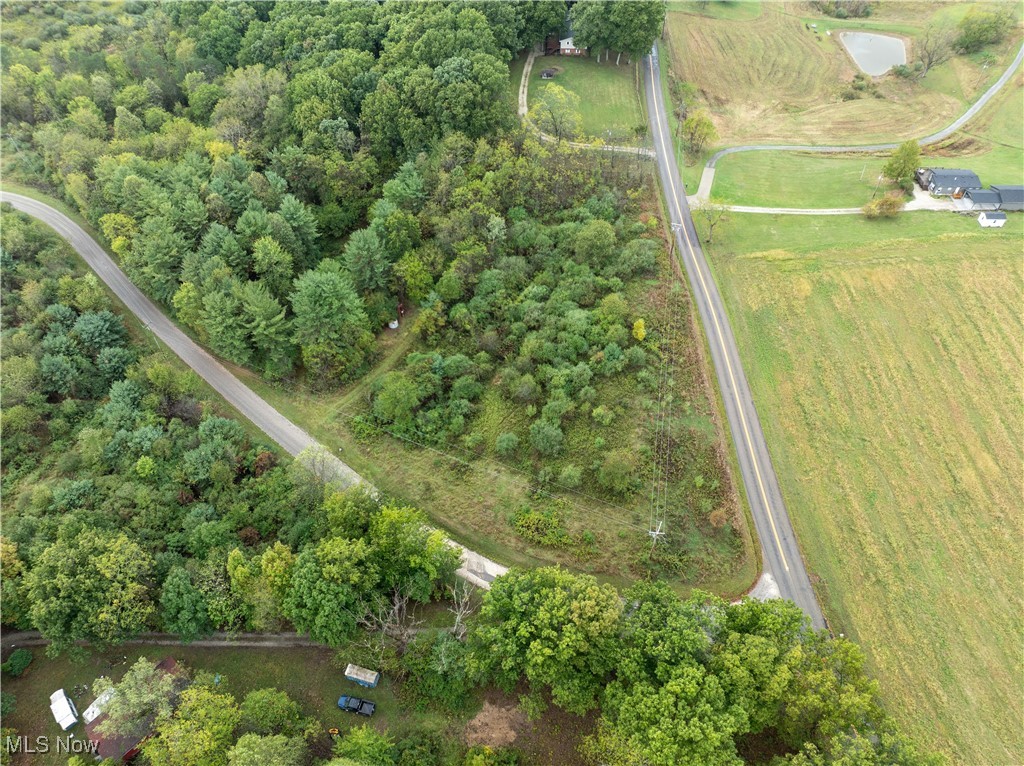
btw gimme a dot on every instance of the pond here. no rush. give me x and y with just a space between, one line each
874 54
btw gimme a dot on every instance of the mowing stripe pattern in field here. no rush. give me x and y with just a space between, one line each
890 377
776 80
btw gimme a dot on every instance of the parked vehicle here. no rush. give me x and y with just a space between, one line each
63 709
362 676
356 705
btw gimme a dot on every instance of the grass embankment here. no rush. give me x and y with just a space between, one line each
992 145
609 98
886 360
772 79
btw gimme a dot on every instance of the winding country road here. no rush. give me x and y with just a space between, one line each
781 555
475 568
946 132
707 178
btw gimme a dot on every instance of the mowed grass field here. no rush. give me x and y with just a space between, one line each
796 179
609 97
992 145
773 79
886 362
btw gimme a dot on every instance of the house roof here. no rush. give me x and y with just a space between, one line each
948 177
1009 193
983 195
120 747
994 216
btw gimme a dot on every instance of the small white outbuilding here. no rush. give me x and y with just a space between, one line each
63 710
991 219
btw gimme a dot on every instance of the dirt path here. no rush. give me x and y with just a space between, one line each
262 640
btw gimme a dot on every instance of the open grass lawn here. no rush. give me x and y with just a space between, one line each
609 96
886 361
771 79
312 677
992 145
793 179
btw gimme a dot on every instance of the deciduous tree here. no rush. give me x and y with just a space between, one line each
144 695
90 586
556 111
555 628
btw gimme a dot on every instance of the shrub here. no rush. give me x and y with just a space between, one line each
571 476
908 71
506 444
365 745
434 664
8 703
603 415
982 27
544 527
546 437
888 206
617 470
482 755
19 660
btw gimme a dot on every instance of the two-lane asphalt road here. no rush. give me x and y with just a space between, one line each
475 568
244 399
781 554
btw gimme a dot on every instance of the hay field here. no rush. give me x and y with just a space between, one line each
888 375
772 79
992 145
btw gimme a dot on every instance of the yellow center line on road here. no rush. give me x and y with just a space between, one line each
721 338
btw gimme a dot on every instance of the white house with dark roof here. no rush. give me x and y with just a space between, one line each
566 47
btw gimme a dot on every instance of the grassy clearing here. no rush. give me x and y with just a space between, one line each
312 677
886 361
609 97
792 179
992 145
515 76
773 79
